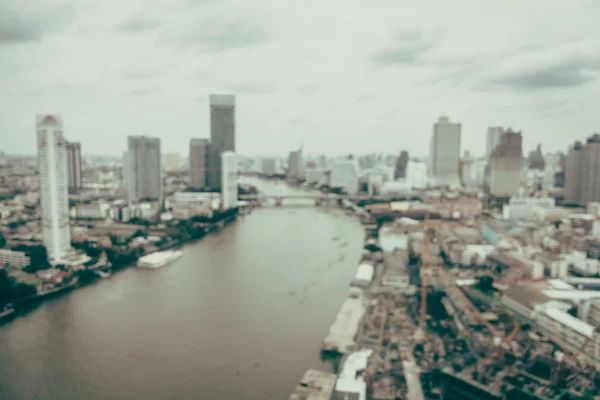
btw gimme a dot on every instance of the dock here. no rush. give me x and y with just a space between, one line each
342 334
314 385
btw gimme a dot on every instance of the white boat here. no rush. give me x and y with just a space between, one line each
158 259
6 311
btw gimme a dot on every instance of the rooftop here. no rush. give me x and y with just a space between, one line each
314 385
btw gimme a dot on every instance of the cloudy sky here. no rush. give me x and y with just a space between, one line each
340 75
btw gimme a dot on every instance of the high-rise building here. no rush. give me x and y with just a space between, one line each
505 166
582 176
493 138
199 152
222 134
74 165
445 150
295 165
268 166
229 187
142 169
54 183
344 175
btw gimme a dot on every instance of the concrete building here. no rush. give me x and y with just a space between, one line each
222 135
74 165
505 166
172 162
444 154
54 182
268 166
229 187
142 167
14 258
295 165
493 138
582 176
198 159
344 174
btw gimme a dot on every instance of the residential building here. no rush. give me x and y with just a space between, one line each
582 179
295 165
445 150
222 135
229 187
493 138
142 169
344 175
74 165
54 182
589 311
505 166
14 258
199 157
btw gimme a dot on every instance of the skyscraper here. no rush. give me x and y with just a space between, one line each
199 151
444 156
142 169
582 179
222 134
74 165
493 138
505 165
54 182
295 165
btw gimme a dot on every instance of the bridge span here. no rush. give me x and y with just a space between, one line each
318 198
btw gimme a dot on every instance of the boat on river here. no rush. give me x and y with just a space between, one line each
159 259
7 311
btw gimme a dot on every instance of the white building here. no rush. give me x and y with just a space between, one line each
229 186
351 383
527 208
316 175
344 174
268 166
13 258
54 184
444 157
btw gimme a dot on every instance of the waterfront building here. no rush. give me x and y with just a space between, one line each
229 187
74 165
444 154
295 165
199 156
344 175
54 182
142 169
222 135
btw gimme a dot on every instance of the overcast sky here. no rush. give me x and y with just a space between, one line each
341 75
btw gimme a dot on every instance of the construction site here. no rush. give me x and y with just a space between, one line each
423 335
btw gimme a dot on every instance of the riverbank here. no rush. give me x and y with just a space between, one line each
117 259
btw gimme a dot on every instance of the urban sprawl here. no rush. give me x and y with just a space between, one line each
479 277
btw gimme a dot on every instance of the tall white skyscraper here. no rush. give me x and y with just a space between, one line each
444 157
493 138
229 186
142 169
54 184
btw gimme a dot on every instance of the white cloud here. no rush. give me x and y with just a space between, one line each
346 76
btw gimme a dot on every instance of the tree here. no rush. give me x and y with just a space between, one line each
486 283
6 283
2 241
139 233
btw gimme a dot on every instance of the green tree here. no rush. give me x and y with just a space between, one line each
6 284
2 241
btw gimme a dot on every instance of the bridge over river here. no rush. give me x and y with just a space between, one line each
318 198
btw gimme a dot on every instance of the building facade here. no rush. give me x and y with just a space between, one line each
199 156
229 187
74 165
54 183
582 176
444 154
142 169
222 135
505 166
344 175
493 138
295 165
268 166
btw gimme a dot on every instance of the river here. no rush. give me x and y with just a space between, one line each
240 316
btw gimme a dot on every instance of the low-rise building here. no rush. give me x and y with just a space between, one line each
14 258
396 272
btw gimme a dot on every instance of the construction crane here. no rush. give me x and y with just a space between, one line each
558 369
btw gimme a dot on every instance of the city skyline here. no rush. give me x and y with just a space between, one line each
152 71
